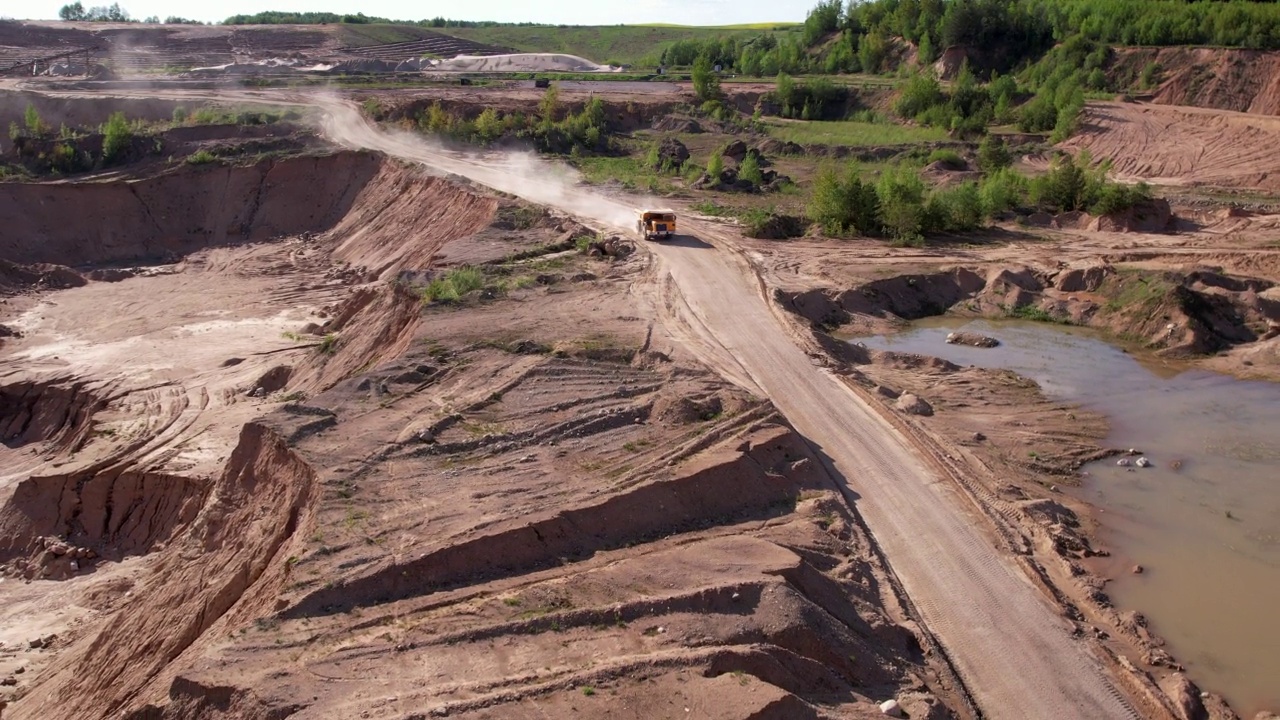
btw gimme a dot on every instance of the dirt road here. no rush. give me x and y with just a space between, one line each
1013 651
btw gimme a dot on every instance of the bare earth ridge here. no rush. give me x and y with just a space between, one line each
1012 650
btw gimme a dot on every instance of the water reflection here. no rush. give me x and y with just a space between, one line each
1204 521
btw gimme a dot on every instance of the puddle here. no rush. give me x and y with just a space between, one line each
1208 532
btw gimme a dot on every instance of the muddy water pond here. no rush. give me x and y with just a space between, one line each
1203 521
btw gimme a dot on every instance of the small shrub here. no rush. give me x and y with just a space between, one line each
453 285
1001 191
205 116
116 139
179 115
1150 76
588 691
948 157
66 159
901 194
750 170
201 157
329 345
715 166
993 154
919 94
34 124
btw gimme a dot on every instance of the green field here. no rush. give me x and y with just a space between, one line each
617 44
851 133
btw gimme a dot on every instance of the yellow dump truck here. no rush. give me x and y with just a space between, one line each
656 224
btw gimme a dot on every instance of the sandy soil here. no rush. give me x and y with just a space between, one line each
521 62
1170 145
639 486
545 480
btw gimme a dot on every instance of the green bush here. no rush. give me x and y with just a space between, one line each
453 285
705 82
66 159
1150 76
205 116
33 122
116 138
1071 184
201 157
901 193
179 115
947 156
920 93
993 154
750 170
841 206
1001 191
957 209
1038 115
715 166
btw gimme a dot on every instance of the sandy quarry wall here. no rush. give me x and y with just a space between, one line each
180 211
82 111
1221 78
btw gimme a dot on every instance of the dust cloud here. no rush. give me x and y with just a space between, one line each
522 174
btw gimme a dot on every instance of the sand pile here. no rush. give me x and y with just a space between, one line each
521 62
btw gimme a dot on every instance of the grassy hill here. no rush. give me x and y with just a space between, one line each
353 35
619 44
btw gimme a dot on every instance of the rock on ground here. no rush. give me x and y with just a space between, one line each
913 405
672 151
973 339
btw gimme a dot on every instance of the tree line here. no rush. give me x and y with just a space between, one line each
76 12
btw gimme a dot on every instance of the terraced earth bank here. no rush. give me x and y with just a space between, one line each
248 472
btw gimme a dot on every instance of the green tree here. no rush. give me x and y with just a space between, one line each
993 155
705 83
827 203
549 105
844 206
489 125
116 138
785 90
73 12
872 50
715 167
750 169
925 50
823 19
901 194
31 119
1001 191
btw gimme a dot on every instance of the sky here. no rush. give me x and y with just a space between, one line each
569 12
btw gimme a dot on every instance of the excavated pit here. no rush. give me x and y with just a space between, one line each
56 411
179 211
1179 314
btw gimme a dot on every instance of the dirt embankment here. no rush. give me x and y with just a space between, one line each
175 213
326 484
85 111
1182 145
1189 313
1219 78
223 570
621 115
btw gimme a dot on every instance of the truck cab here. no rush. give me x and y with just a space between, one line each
656 224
